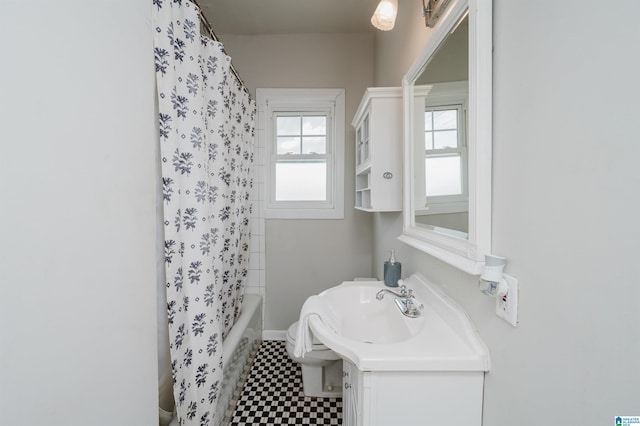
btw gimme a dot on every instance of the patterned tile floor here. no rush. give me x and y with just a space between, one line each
272 394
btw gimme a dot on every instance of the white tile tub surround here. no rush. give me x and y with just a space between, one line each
255 283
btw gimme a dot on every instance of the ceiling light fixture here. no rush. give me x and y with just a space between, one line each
384 18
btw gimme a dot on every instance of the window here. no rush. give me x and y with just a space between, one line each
301 156
443 174
302 133
445 154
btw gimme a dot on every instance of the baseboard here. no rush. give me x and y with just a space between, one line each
274 335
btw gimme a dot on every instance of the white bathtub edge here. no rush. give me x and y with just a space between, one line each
250 304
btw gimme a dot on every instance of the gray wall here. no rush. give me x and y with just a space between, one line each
77 216
451 61
304 257
565 178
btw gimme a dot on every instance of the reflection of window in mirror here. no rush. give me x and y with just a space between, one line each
442 194
444 152
441 93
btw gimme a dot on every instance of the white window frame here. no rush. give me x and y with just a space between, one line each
271 102
452 95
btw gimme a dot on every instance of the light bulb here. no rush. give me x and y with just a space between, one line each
384 18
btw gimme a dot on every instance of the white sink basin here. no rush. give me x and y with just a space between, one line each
374 335
367 320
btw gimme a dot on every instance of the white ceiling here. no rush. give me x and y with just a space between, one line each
253 17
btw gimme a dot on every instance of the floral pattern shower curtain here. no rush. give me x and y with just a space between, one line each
206 124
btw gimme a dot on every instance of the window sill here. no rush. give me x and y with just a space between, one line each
303 214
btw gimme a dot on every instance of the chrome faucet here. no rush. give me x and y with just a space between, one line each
403 301
404 292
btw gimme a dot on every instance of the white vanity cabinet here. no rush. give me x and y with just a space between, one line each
351 394
411 398
422 371
378 125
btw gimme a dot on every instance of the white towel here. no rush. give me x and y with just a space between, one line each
314 305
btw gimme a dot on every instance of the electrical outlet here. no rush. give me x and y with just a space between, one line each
507 306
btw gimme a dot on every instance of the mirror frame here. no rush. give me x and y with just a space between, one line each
466 255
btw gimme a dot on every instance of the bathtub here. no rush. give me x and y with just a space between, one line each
238 351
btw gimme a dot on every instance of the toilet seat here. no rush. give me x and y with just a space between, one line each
292 331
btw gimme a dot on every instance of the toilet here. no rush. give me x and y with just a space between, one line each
321 368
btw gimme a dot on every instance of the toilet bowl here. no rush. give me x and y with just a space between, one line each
321 368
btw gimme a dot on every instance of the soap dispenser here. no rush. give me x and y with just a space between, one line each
392 271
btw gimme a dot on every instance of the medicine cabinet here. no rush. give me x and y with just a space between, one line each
378 144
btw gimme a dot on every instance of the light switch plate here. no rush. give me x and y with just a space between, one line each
507 306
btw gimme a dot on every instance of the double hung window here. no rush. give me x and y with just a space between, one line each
301 156
303 140
443 178
445 154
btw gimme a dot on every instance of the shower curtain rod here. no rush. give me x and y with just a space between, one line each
204 21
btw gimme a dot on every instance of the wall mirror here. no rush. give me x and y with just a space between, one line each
447 139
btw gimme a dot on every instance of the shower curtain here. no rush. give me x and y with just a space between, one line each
206 126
